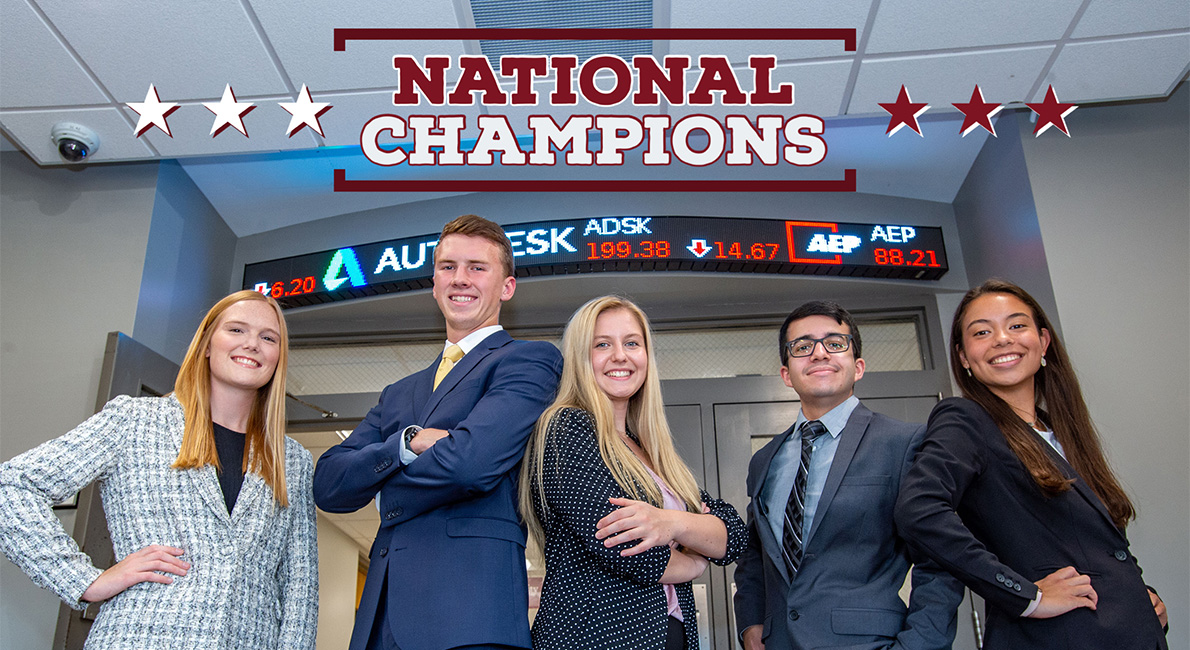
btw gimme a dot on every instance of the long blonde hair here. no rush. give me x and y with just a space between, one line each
265 443
646 419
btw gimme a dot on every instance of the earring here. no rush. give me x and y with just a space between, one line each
968 370
1042 362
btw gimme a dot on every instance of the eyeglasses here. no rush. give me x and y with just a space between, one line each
804 347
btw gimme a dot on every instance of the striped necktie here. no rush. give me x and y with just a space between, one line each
449 358
791 541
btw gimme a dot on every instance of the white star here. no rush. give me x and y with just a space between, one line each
152 112
305 112
229 112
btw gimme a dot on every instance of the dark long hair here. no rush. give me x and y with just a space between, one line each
1058 400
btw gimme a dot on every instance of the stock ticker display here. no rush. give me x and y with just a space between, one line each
620 244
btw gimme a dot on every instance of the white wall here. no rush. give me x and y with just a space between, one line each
187 266
997 219
134 248
1113 202
338 567
72 249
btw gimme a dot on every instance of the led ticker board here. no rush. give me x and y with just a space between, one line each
617 244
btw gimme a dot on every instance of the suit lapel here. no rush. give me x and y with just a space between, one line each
764 526
1080 487
423 387
849 439
460 370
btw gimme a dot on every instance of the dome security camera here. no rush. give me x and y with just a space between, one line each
75 142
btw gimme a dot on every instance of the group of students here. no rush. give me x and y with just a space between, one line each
211 508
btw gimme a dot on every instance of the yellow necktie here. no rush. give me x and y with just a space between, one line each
449 358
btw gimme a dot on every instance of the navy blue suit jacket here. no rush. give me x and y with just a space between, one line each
970 504
450 546
846 593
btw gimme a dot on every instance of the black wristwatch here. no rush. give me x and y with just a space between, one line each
410 433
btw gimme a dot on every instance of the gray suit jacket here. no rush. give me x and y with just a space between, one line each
845 595
253 581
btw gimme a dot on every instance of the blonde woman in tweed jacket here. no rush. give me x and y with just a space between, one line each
196 571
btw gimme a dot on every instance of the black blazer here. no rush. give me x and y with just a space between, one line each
592 597
970 504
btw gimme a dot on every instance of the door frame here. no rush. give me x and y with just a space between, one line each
709 393
129 368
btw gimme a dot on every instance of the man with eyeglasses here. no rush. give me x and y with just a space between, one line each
824 563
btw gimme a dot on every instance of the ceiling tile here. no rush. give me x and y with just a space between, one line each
350 112
316 441
363 542
365 519
1127 68
302 33
187 49
31 130
738 51
518 116
361 535
840 14
316 450
817 90
191 127
942 79
912 25
1109 17
38 69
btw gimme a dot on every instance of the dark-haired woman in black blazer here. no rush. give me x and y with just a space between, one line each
1012 494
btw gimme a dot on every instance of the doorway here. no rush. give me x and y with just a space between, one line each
129 368
719 423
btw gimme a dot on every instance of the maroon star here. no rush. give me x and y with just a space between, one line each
904 113
977 113
1051 112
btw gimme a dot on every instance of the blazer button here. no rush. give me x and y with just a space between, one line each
382 465
383 552
1000 578
1009 583
1121 555
793 615
390 515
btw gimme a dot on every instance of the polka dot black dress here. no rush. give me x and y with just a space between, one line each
594 599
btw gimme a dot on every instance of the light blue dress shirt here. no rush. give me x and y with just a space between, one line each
783 470
1048 436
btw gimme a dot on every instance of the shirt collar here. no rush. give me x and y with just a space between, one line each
474 338
835 419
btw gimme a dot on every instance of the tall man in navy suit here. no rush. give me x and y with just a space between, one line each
824 563
442 449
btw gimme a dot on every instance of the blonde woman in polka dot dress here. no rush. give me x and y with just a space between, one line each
622 523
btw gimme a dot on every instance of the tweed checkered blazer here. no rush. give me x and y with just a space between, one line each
253 581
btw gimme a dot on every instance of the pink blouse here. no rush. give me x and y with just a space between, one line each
669 501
